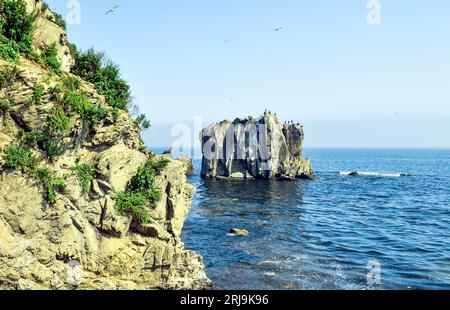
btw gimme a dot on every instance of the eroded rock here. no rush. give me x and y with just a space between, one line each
254 148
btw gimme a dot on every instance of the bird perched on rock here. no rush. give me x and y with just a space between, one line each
168 152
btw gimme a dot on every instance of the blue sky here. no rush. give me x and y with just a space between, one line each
343 79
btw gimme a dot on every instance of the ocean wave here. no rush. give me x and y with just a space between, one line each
373 174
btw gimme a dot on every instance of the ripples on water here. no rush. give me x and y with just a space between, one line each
321 234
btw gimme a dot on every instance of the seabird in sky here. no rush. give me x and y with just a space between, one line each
112 10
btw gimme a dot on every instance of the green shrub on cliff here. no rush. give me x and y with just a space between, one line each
52 148
49 57
58 122
9 50
3 79
50 184
71 83
143 122
16 25
5 105
38 92
19 157
91 114
85 173
134 204
141 193
93 67
35 136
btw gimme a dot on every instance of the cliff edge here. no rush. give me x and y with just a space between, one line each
83 205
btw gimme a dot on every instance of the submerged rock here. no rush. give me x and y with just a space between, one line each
239 232
254 148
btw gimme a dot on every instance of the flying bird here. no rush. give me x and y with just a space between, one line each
112 10
278 29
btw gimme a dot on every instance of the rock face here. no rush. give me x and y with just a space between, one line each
82 241
48 32
254 148
40 245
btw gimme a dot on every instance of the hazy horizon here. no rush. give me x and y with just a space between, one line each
350 83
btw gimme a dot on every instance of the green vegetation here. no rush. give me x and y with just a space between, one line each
5 105
9 76
141 192
86 173
59 126
50 145
73 50
134 204
90 114
16 30
38 92
58 122
19 157
44 7
71 83
3 79
9 50
50 184
52 148
16 39
142 121
93 67
49 57
35 136
59 20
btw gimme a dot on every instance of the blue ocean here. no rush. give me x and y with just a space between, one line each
327 233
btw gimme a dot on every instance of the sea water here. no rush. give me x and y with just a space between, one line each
328 233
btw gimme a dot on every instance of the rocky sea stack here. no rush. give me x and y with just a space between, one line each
254 148
83 205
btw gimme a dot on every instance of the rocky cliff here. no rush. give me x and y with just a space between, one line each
254 148
71 214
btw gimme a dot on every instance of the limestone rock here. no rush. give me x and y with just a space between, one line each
48 32
254 148
82 241
190 166
118 164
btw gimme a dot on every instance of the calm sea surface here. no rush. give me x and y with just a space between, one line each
321 234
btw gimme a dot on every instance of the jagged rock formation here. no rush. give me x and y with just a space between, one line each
81 241
254 148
